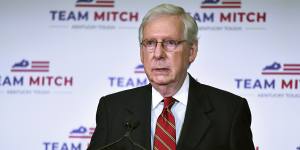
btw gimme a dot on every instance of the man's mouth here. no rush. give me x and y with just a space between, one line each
160 70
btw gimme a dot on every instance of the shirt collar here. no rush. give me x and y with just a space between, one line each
181 95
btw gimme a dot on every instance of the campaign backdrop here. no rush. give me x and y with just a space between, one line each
59 57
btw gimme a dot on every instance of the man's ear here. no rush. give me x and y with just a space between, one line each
141 56
193 51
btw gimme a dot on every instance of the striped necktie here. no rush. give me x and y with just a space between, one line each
165 132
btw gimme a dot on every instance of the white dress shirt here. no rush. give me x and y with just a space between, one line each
178 109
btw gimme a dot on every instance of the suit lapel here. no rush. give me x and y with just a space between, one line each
196 121
195 124
140 111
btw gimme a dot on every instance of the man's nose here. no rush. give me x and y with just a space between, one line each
159 51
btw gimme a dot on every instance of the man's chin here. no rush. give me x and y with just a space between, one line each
161 81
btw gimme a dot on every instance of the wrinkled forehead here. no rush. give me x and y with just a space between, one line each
156 16
164 24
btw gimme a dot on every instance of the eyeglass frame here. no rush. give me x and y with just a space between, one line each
163 44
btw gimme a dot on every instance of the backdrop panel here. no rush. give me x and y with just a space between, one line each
59 57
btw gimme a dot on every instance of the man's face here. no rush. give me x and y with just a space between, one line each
166 67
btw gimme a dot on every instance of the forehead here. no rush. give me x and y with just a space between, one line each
163 26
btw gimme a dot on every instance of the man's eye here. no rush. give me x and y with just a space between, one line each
170 42
150 42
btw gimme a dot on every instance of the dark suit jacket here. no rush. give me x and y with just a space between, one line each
214 119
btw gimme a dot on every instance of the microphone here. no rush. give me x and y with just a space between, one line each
130 126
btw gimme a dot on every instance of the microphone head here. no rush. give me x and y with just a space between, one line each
131 124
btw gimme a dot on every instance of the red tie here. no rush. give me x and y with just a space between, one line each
165 132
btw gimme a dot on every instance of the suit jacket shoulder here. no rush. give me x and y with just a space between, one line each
127 96
218 120
116 111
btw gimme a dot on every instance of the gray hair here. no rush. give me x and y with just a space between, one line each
190 26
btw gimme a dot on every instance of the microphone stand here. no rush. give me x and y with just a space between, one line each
130 127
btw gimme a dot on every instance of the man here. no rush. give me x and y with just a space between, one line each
174 111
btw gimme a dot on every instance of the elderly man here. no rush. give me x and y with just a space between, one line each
174 111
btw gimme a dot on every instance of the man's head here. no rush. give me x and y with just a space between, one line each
168 37
190 26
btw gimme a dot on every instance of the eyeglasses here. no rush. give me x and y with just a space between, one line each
168 45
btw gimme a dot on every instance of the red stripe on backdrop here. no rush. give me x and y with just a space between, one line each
280 73
220 6
80 137
291 65
291 69
231 2
28 70
40 66
93 5
40 62
108 2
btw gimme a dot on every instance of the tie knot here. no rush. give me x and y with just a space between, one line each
168 102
